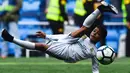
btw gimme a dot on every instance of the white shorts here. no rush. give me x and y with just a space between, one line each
65 51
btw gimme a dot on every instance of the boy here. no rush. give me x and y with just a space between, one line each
75 46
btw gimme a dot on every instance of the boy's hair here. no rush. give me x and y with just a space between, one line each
103 30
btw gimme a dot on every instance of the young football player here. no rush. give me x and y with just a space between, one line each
74 46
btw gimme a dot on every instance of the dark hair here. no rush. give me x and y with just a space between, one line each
103 30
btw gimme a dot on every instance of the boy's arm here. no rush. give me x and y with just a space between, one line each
95 65
56 37
43 35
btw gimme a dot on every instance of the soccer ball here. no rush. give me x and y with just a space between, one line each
105 55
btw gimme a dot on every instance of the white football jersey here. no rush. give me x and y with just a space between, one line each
82 46
72 49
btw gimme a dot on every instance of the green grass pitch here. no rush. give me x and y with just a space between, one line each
51 65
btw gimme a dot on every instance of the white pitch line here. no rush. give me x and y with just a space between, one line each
54 63
14 63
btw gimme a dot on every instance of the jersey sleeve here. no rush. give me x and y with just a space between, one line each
56 37
66 38
95 65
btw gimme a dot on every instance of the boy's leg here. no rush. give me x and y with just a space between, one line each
104 7
26 44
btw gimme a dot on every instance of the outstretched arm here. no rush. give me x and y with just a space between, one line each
53 37
95 65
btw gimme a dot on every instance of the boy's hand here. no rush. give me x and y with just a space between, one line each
41 34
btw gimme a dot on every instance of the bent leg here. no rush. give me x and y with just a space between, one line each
41 47
26 44
30 45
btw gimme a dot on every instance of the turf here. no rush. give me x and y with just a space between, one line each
51 65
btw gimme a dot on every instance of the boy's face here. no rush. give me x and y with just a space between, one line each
95 35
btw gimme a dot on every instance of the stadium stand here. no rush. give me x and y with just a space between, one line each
112 38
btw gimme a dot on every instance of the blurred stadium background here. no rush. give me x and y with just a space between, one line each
31 21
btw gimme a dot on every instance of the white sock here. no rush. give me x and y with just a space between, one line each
25 44
91 18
